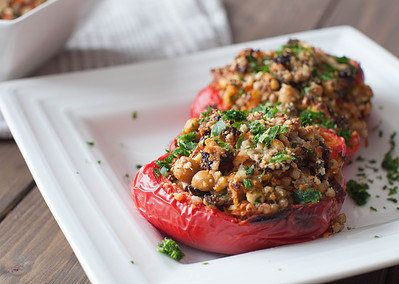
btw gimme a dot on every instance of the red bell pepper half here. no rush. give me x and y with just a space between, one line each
171 210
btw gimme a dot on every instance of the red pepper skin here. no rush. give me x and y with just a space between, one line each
336 143
171 210
353 147
359 79
208 96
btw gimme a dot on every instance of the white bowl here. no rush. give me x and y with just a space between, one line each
30 40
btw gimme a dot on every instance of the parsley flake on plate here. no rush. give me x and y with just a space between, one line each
171 248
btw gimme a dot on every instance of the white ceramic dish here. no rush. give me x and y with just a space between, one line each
87 190
30 40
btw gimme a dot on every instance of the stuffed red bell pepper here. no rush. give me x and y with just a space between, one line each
297 75
237 181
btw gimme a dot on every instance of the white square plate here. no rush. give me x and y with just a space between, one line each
87 187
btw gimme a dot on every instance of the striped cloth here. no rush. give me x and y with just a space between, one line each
126 31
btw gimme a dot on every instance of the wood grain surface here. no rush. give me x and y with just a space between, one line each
33 248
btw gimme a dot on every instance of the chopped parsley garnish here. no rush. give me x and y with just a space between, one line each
204 114
346 60
157 172
90 143
249 170
256 127
250 147
371 168
358 192
328 73
270 111
185 145
360 159
309 117
295 48
393 190
163 166
258 199
260 108
390 164
138 166
248 183
280 156
327 76
171 248
394 200
346 134
237 124
218 128
253 63
308 196
343 60
373 209
235 115
186 142
263 173
221 143
268 136
239 141
134 115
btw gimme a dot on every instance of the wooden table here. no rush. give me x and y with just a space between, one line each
32 247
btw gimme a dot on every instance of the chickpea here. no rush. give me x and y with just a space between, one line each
295 174
338 223
286 181
274 208
273 98
274 85
203 180
185 168
316 90
266 208
283 203
196 199
255 197
221 183
277 144
330 192
280 191
228 95
191 125
322 188
333 164
288 94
